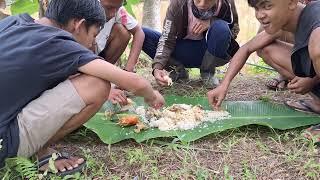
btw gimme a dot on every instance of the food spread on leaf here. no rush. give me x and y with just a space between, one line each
174 117
129 120
179 116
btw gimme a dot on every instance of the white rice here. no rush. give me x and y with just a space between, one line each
179 117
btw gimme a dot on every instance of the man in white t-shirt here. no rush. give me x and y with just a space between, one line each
114 38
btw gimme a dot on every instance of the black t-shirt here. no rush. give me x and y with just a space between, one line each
308 21
302 64
33 59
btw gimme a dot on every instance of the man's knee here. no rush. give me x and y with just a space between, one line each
120 34
91 89
220 29
264 53
219 39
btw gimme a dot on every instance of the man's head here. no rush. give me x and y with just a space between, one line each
111 7
82 18
274 15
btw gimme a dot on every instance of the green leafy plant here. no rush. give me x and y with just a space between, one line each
128 4
24 6
20 167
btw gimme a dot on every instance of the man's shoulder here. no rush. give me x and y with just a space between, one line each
177 7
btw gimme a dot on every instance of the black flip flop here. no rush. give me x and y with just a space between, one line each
304 107
45 160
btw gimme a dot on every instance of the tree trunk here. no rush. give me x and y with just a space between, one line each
151 14
43 5
2 6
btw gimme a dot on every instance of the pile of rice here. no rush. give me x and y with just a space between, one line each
179 116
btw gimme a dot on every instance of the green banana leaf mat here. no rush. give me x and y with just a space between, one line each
243 113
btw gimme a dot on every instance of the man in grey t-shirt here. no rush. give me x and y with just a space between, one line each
301 61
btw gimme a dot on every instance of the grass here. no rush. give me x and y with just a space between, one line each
250 152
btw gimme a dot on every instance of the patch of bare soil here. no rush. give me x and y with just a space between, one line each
251 152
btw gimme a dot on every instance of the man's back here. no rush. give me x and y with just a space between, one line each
33 58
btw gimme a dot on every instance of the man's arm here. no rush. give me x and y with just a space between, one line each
167 41
137 43
237 62
129 81
217 95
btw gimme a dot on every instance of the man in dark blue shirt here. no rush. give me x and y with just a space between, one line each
51 83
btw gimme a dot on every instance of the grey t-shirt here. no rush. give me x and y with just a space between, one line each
302 65
33 59
308 21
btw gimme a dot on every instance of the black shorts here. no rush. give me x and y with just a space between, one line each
302 67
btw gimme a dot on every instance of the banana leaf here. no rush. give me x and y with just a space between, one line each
243 113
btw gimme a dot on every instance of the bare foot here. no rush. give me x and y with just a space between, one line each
313 132
279 83
61 165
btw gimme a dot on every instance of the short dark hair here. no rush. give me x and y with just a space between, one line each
62 11
253 3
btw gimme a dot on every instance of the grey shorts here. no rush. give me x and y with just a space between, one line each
43 117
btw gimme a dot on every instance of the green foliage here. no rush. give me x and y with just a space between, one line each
129 4
260 67
24 6
247 172
226 172
19 167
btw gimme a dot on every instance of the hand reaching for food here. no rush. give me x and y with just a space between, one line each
162 77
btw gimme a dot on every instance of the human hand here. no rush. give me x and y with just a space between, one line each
161 77
216 96
157 101
301 85
118 96
200 27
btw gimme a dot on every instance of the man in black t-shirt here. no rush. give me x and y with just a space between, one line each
43 96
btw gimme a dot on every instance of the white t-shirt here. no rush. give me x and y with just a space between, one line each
121 17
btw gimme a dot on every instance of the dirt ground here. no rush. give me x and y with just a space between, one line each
251 152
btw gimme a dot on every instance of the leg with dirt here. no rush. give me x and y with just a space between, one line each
278 56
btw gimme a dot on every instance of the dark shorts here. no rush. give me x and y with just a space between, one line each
302 67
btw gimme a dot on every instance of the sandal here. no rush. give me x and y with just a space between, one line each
45 160
301 105
313 133
275 84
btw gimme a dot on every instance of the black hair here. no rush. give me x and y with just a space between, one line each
253 3
62 11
